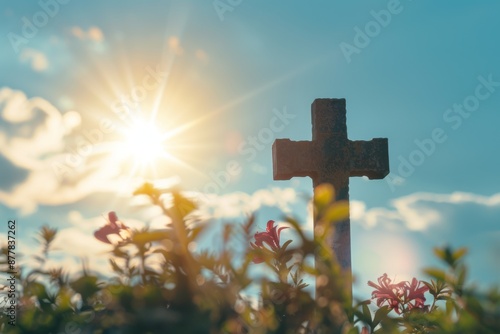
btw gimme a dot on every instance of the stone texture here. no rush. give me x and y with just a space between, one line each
332 158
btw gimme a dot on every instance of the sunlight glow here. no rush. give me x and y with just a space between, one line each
144 142
143 145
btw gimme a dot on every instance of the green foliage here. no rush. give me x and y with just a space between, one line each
457 306
158 284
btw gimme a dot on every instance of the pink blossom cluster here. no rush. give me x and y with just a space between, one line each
401 296
113 227
271 237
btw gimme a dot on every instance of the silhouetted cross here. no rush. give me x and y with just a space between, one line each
332 158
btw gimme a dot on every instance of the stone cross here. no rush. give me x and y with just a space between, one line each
332 158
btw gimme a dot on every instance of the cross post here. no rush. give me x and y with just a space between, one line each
332 158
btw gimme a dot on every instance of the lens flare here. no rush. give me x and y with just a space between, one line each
144 142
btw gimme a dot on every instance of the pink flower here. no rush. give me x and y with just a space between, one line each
114 226
271 237
388 293
414 294
401 296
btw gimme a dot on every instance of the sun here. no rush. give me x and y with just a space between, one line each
143 143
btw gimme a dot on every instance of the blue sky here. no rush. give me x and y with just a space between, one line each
214 76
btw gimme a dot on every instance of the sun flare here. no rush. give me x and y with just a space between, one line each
143 144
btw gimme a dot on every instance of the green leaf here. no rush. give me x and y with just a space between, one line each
293 275
442 297
47 234
449 256
147 189
228 232
353 330
431 287
36 289
440 253
86 286
310 270
184 205
285 245
459 253
367 315
119 253
248 225
461 276
287 256
115 266
337 212
144 237
134 270
380 315
324 194
450 306
302 286
436 273
39 258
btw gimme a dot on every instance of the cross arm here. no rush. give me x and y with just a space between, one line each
369 158
293 158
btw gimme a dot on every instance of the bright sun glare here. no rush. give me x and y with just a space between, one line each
143 144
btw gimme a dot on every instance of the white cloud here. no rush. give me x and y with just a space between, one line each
416 217
46 137
37 59
389 219
34 141
357 209
419 211
32 137
399 240
67 251
77 242
88 225
13 105
80 243
237 204
458 198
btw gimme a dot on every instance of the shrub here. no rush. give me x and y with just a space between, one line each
160 285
